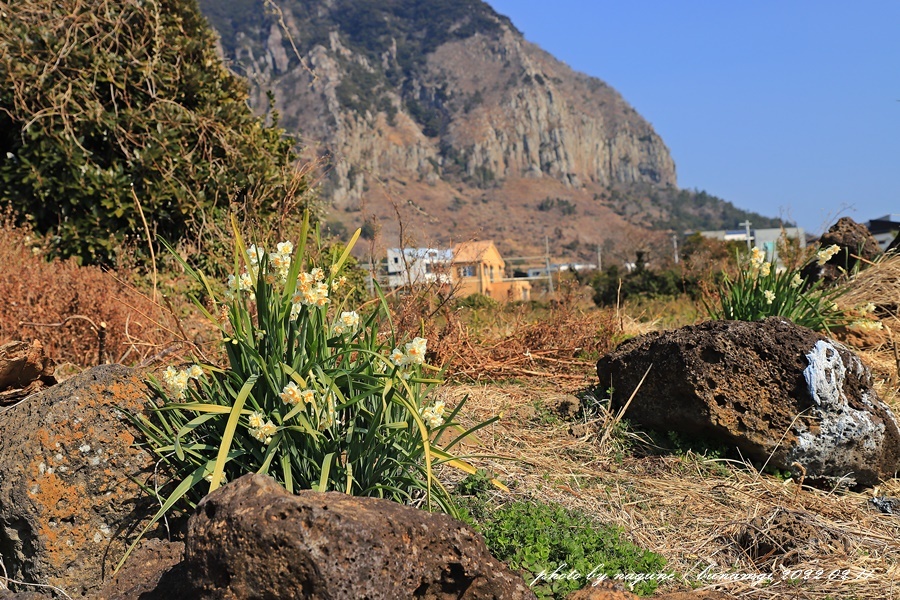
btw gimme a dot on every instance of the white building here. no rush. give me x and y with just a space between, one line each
418 266
764 239
884 229
538 272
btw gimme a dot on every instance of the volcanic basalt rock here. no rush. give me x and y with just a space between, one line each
778 392
252 539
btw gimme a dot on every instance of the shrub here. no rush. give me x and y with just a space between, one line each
639 282
762 290
63 305
313 395
118 117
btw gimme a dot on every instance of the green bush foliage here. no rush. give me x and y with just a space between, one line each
535 538
641 281
116 113
682 209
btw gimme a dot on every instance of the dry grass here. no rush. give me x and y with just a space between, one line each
693 511
878 284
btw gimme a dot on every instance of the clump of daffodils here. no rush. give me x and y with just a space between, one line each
177 381
763 290
826 254
310 396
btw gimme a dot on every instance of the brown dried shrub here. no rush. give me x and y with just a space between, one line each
501 342
63 305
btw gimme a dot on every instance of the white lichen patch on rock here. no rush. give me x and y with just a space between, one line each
842 429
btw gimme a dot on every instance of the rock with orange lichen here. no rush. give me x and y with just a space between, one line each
68 503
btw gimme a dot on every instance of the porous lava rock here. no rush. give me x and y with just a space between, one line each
67 498
252 539
854 240
777 391
142 571
785 535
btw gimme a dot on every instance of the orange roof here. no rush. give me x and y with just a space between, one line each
473 251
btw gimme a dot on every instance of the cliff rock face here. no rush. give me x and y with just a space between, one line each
432 90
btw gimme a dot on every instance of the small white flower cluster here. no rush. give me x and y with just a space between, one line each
261 428
414 355
311 291
826 254
759 264
279 262
293 395
177 381
348 323
244 283
867 325
338 282
770 296
322 405
434 414
796 281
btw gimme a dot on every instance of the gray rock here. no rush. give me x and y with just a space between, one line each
67 503
778 392
252 539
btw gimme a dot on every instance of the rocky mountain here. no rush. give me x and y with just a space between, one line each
439 115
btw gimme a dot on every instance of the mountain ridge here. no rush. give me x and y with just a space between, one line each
428 110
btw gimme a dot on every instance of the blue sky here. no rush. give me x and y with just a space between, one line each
783 107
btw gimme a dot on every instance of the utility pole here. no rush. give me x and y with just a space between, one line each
547 262
675 244
746 225
599 257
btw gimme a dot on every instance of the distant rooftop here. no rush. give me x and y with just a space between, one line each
893 218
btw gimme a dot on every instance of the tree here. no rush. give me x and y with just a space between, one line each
117 117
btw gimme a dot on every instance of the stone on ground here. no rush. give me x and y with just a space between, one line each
67 500
776 391
252 539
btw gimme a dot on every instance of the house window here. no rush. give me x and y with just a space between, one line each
467 271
